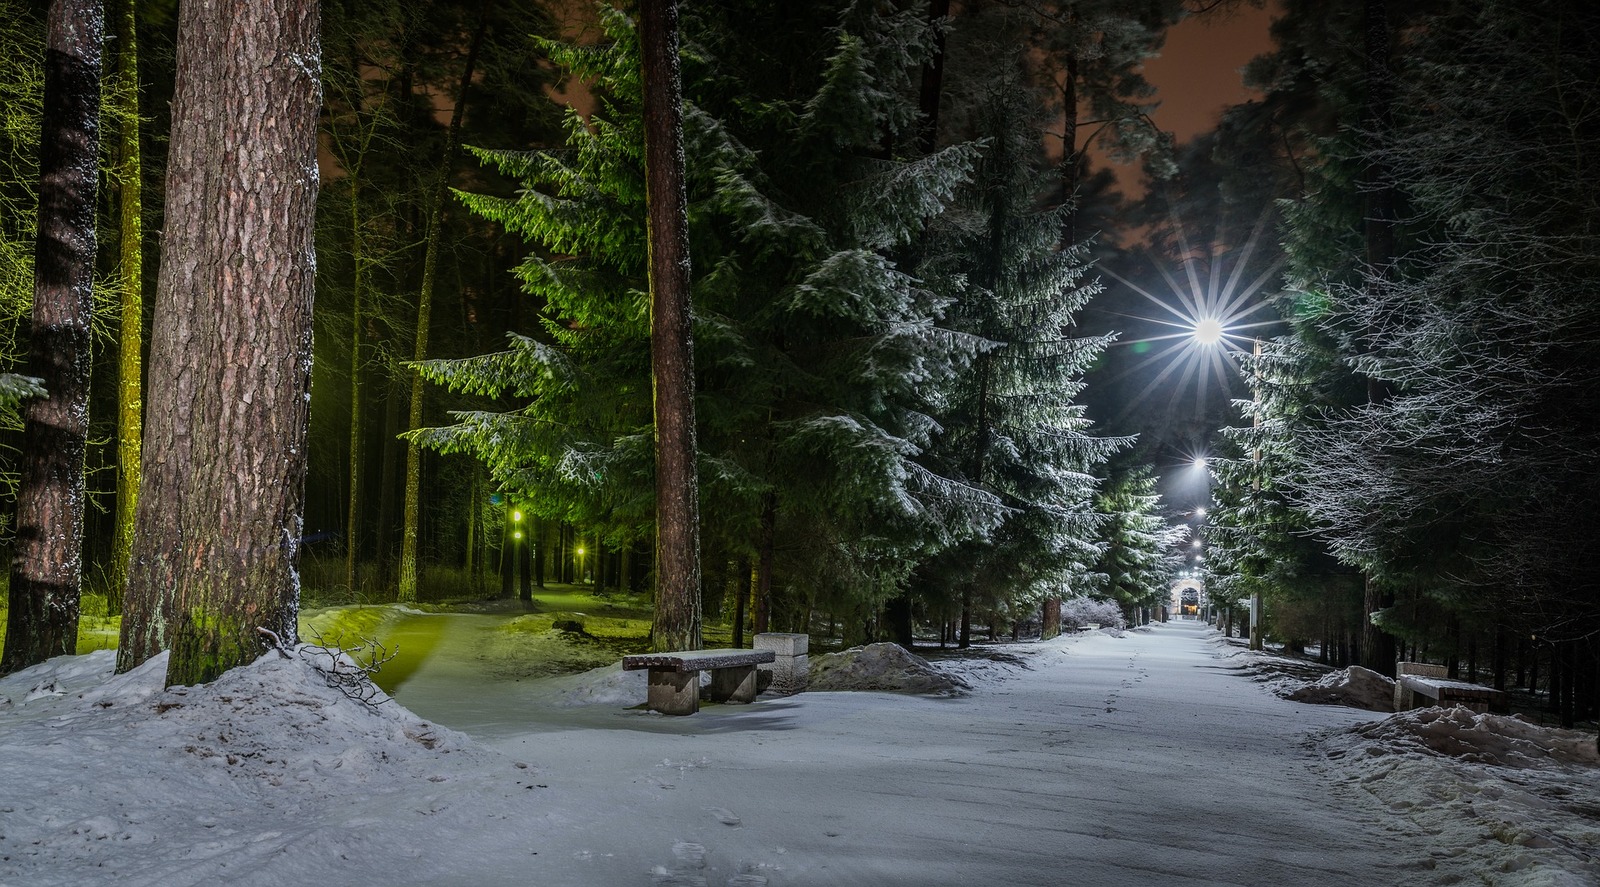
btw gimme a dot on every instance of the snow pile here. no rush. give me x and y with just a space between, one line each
606 685
882 666
1499 800
130 783
1501 740
1354 686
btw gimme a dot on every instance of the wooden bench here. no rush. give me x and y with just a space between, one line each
674 687
1417 684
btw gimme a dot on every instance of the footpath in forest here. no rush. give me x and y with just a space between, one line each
1147 757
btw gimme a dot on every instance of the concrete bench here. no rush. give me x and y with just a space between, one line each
674 680
1417 684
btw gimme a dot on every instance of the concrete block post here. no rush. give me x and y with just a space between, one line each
791 669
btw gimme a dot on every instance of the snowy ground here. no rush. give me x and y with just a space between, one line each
1093 760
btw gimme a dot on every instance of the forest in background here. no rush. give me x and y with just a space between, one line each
902 330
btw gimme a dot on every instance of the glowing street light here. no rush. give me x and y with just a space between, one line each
1208 331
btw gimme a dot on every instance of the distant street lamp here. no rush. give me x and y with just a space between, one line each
579 553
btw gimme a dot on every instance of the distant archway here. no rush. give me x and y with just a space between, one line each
1188 599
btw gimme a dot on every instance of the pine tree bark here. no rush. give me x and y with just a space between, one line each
677 607
130 273
1050 618
47 560
219 520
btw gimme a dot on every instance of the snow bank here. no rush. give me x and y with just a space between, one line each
882 666
1497 799
1303 680
267 775
1500 740
1354 686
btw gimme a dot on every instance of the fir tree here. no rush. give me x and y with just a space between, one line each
1136 563
1010 424
819 359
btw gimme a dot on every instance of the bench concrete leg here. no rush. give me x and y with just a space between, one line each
674 692
733 684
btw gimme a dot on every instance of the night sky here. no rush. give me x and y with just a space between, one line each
1197 75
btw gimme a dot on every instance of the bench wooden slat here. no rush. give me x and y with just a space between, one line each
697 660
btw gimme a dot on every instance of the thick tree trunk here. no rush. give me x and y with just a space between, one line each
130 274
898 620
677 608
412 518
1051 618
47 560
230 360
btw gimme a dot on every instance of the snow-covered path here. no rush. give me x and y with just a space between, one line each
1109 761
1147 759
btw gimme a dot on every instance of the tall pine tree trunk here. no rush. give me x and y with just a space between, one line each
47 560
352 522
219 520
412 517
130 273
1071 155
677 608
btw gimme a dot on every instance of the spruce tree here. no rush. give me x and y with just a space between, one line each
1010 425
1136 563
818 357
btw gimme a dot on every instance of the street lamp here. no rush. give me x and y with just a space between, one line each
579 553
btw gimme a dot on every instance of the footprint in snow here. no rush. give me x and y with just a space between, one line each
724 815
686 871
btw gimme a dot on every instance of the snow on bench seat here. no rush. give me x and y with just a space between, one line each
674 682
1429 682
